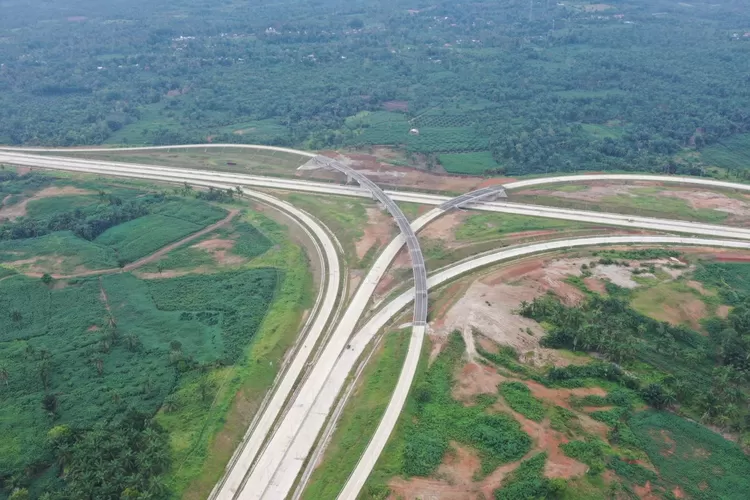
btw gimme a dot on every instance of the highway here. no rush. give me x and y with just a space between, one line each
294 425
195 176
330 285
271 471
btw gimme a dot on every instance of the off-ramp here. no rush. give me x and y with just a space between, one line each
275 474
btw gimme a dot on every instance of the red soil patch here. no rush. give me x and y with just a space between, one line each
690 311
390 175
644 492
220 250
488 345
723 311
92 328
475 379
396 106
447 299
595 285
709 200
19 209
377 231
560 397
548 440
444 227
696 285
666 438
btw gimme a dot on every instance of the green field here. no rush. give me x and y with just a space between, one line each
643 201
482 227
360 418
115 226
731 153
468 163
105 359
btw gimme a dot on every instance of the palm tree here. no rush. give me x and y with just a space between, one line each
44 372
170 403
132 342
99 363
4 374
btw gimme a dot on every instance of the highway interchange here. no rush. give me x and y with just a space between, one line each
284 433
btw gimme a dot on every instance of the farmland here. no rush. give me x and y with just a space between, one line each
149 361
348 75
641 416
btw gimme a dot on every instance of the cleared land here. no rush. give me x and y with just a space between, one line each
588 431
645 199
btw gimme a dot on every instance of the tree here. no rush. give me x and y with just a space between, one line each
49 403
205 387
133 342
170 403
4 375
46 279
44 373
99 363
20 494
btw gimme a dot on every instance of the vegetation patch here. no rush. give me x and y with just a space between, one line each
477 163
478 227
528 481
519 397
700 461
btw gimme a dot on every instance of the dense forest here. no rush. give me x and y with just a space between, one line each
542 86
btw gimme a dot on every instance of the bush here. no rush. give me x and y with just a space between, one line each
528 482
437 419
590 452
519 397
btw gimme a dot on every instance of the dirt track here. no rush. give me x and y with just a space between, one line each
149 258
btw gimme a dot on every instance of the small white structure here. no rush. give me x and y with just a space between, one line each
414 131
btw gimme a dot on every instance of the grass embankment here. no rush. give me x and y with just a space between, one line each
360 417
476 163
203 439
641 201
347 218
238 160
482 227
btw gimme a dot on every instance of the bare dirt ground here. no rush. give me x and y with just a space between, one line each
444 227
17 210
220 249
456 476
489 304
386 174
378 231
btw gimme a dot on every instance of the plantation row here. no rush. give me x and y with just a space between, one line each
69 358
102 229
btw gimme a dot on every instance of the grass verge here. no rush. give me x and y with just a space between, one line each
360 417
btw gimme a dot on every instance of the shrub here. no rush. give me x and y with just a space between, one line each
528 482
519 397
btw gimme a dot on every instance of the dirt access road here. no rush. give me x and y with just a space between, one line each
149 258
